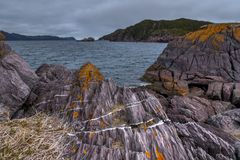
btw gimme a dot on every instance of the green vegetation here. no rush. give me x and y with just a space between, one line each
148 29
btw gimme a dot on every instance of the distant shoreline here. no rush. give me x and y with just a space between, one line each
20 37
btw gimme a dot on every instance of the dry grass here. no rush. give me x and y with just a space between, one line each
37 137
236 134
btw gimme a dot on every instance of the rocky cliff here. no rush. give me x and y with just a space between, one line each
155 31
111 122
199 58
202 66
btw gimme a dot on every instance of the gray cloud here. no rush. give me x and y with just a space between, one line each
81 18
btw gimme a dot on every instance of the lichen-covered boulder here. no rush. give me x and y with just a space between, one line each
211 54
16 81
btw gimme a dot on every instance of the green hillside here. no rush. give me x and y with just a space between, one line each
150 30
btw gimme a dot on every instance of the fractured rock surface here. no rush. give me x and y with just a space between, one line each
112 122
192 108
16 81
228 121
208 55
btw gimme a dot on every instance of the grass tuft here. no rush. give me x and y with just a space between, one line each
34 138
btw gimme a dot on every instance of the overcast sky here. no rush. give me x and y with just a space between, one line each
82 18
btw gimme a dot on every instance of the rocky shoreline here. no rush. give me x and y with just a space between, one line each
191 110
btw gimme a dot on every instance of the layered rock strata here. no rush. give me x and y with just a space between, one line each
112 122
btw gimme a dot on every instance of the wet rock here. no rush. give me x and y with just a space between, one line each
16 81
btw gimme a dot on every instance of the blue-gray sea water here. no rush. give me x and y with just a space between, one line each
124 62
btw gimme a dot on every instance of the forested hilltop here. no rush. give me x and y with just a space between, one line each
155 31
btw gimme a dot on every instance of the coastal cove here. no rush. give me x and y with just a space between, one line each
189 110
124 62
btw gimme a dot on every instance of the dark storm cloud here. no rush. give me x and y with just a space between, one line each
80 18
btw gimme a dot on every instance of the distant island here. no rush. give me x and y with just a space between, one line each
155 31
89 39
19 37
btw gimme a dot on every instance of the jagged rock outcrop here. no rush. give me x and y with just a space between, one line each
228 121
192 108
224 91
16 81
112 122
203 143
208 55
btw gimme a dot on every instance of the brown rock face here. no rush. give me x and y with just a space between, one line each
208 55
2 37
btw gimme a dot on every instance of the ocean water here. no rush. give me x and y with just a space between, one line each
124 62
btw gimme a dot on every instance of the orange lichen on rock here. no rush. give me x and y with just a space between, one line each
88 74
218 38
236 33
148 154
75 115
176 88
80 98
84 151
205 33
159 155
